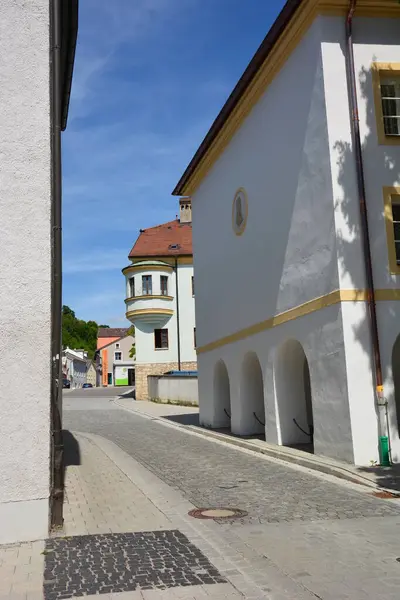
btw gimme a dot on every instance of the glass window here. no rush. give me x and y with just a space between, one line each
192 285
164 285
396 229
161 339
390 94
131 287
146 285
118 356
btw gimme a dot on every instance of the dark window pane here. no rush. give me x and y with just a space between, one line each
391 125
161 338
132 287
396 227
388 90
164 285
397 244
396 212
146 285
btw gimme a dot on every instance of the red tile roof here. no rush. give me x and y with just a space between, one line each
169 239
107 332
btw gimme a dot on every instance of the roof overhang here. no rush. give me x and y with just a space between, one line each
69 33
283 37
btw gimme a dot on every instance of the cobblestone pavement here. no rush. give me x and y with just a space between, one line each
306 536
123 562
209 474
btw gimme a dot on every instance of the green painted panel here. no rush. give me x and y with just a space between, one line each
121 381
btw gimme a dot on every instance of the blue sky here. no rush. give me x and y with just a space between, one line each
150 77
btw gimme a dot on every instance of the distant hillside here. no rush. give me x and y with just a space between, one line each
77 333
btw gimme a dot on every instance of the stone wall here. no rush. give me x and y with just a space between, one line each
143 370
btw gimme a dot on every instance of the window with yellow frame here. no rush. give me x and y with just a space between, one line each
391 197
386 83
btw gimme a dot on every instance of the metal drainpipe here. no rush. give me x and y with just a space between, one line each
178 327
57 491
384 440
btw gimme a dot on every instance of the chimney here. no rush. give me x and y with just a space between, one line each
185 210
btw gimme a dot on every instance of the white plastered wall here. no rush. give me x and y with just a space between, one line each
144 331
286 256
375 40
25 267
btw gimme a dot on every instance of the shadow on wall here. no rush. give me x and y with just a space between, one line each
387 173
72 454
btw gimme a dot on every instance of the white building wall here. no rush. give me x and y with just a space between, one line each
375 40
280 155
24 269
144 331
288 254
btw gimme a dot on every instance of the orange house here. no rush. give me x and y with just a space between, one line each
106 335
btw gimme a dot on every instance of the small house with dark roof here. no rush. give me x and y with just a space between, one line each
296 236
160 299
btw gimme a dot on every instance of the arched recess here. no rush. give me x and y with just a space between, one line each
396 378
222 396
293 396
252 396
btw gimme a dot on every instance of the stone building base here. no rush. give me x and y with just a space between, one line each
143 370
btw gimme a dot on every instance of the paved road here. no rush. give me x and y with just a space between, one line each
338 542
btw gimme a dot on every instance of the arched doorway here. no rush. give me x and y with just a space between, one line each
396 379
293 397
252 396
222 396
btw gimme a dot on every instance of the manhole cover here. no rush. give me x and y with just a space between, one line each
217 513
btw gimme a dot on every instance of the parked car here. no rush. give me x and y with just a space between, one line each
87 385
66 383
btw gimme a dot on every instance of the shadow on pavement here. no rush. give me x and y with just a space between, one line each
72 454
386 477
129 394
184 419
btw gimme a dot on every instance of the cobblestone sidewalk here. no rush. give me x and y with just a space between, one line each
126 536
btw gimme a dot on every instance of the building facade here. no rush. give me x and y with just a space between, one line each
91 376
74 367
117 364
284 328
35 79
160 299
107 335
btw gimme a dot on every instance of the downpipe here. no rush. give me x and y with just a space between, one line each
178 323
57 475
381 403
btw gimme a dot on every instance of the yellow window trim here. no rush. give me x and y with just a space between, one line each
380 70
388 194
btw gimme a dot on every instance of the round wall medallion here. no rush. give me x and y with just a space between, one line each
239 211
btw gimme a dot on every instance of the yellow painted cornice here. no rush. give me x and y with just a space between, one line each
138 268
149 311
274 62
148 297
302 310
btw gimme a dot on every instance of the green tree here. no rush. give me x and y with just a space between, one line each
132 351
77 333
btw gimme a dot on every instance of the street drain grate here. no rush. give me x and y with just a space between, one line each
217 513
